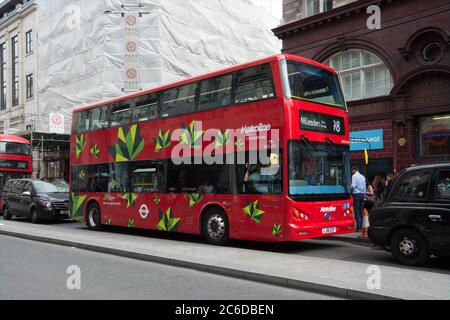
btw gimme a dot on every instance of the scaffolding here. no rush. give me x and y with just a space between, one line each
51 155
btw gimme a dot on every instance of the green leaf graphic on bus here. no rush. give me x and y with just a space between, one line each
239 143
95 151
252 210
130 144
222 139
277 230
192 136
79 147
131 223
77 204
194 199
163 141
82 175
157 200
130 198
167 221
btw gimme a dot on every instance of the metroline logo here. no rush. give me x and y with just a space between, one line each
328 209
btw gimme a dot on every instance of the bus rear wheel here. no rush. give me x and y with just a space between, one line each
93 217
215 227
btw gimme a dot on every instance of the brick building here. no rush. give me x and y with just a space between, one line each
396 79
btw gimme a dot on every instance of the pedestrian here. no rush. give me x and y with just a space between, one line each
380 190
359 190
390 182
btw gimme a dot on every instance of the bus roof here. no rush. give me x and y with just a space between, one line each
213 74
13 139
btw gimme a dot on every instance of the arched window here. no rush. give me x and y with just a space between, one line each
363 74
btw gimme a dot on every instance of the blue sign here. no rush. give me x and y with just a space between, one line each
367 140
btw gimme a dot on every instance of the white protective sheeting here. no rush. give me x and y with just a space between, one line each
82 45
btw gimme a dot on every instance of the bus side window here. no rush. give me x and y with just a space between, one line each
99 119
120 115
216 93
179 101
84 121
254 84
147 177
146 112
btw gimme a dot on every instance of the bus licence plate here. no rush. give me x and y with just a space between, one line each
64 213
329 230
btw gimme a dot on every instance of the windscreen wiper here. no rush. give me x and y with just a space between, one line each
307 142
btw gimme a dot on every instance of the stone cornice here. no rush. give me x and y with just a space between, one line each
327 17
18 14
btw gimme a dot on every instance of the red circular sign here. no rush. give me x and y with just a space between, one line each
57 120
131 46
131 73
131 20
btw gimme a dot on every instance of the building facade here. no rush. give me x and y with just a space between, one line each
18 64
396 76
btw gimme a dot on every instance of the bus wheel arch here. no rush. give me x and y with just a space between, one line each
93 215
215 225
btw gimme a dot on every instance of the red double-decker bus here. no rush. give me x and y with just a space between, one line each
258 152
15 160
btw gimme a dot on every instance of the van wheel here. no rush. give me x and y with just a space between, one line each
409 247
35 216
215 227
93 217
6 214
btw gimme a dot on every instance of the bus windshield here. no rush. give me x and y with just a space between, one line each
15 148
318 169
310 83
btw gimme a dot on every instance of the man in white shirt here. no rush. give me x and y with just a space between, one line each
359 189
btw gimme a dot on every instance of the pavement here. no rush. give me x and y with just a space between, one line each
345 279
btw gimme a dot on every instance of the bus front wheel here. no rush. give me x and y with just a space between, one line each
216 227
93 217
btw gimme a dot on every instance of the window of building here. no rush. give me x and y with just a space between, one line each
254 84
15 70
216 92
313 7
180 100
3 77
363 74
30 86
29 42
435 136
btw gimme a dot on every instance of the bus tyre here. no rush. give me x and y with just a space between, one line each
35 216
216 230
6 214
409 247
93 217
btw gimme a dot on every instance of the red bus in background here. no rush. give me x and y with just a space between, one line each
16 160
125 159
